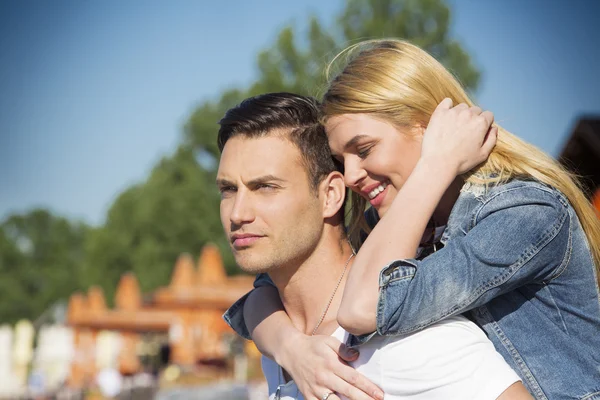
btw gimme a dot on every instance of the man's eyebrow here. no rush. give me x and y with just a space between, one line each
261 179
224 182
264 179
353 141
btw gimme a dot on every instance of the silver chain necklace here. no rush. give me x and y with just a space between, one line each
280 374
332 295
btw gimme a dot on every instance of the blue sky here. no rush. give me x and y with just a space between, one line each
93 93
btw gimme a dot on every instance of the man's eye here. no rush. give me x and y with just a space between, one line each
264 186
226 190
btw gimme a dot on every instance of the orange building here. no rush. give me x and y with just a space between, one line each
188 310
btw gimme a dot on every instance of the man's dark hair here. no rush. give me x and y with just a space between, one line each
292 116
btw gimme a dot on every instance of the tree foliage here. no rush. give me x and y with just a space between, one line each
41 260
149 225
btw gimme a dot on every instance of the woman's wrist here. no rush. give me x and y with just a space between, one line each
283 354
436 171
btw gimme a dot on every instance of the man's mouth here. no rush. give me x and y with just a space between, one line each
240 241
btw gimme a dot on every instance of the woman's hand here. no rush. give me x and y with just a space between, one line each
459 138
318 365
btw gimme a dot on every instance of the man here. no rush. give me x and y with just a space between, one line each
282 207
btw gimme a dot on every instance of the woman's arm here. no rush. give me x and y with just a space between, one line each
317 364
455 141
516 236
520 234
266 320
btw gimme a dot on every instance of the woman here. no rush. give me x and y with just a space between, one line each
521 244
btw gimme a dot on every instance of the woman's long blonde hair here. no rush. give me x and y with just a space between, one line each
402 84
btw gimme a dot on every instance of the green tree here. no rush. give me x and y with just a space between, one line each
151 224
41 258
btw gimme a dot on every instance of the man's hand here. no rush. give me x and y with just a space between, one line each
318 365
459 138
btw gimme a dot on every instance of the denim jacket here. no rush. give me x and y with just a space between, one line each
517 262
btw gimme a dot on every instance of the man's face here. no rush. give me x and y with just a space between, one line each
269 212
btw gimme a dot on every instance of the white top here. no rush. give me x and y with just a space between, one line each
452 359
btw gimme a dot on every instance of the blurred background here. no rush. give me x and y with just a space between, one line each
114 267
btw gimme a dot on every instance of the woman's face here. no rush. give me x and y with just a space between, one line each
377 156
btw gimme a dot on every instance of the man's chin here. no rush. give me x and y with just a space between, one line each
252 266
255 270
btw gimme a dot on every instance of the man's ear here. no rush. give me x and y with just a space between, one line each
333 190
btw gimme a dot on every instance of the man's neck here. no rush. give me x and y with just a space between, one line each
307 288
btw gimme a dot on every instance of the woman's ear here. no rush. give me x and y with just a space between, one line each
333 190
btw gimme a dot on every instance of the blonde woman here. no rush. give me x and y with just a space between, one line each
514 243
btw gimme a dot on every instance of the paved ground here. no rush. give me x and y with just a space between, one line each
213 392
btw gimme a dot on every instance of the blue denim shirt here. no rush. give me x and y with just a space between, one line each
517 262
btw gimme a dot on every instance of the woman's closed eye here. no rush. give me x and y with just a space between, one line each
364 151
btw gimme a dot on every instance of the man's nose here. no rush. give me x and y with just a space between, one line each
242 211
353 172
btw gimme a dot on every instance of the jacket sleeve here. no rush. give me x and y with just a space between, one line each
234 316
512 241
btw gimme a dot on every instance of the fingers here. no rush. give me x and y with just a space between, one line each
333 343
441 108
490 141
345 388
445 104
475 110
461 107
347 354
332 374
489 117
344 379
332 396
458 138
354 385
